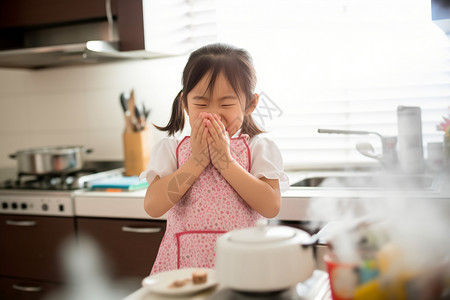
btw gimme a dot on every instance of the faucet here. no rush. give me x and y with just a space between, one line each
388 156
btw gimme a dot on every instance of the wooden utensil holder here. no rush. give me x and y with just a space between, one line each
136 151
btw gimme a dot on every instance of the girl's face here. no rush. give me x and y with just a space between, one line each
222 101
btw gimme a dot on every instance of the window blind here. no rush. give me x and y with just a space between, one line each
178 26
340 64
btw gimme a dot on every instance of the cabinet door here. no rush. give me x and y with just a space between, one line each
130 245
30 13
18 289
30 246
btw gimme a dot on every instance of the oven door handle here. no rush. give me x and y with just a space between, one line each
27 288
21 223
141 229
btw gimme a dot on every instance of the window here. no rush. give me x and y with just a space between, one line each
341 64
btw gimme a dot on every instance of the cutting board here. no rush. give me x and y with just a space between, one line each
119 183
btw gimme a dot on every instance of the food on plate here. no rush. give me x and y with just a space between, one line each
179 283
199 277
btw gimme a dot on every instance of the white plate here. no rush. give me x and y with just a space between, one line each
160 283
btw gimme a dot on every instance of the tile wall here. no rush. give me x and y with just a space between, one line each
79 105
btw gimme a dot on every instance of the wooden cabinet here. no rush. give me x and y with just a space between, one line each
20 19
30 13
30 251
24 289
29 254
130 246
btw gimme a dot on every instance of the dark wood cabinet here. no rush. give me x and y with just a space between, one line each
31 13
25 289
31 250
22 20
130 246
30 254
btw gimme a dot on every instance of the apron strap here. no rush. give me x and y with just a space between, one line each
180 234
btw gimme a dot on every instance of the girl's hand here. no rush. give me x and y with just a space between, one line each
199 144
218 143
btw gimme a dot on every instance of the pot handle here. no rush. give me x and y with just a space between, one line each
314 240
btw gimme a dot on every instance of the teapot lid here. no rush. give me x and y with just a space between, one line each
262 234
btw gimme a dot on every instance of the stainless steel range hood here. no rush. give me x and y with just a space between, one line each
140 29
91 52
70 45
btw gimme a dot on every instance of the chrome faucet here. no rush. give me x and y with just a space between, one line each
387 158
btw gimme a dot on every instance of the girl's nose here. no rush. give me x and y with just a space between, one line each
214 112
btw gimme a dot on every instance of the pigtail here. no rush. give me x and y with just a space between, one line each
249 126
176 122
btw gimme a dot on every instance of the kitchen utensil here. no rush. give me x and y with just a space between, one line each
264 258
388 158
343 278
366 149
48 160
145 111
124 101
131 109
140 117
410 142
135 117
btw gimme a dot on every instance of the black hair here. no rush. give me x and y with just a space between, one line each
236 65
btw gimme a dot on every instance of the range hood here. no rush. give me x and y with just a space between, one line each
138 29
91 52
70 45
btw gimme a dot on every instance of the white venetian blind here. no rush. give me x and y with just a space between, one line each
340 64
178 26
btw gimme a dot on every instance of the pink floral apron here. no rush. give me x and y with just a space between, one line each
209 208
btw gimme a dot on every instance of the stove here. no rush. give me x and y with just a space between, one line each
52 194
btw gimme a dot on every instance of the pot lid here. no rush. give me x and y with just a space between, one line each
262 234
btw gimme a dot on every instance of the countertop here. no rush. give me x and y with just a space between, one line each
297 202
316 287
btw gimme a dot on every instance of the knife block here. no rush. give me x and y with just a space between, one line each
136 151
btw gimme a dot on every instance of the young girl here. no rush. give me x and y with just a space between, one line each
208 182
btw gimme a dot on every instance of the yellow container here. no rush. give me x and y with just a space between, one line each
136 151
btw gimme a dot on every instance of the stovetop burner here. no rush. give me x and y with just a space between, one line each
58 182
62 181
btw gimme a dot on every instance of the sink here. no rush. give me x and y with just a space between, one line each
368 181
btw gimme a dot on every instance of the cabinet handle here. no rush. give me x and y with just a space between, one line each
27 288
21 223
141 230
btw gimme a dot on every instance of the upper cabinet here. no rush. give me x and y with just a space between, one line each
47 33
30 13
36 23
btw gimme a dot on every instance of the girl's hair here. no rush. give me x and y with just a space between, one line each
236 65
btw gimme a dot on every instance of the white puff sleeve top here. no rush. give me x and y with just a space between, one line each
266 160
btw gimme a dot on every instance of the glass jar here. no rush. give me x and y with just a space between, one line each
447 149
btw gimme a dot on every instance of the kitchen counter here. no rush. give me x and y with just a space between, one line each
296 202
111 204
316 287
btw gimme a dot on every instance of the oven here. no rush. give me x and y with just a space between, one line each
36 221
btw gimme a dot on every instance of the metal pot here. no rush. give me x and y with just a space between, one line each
264 258
47 160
